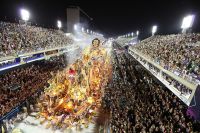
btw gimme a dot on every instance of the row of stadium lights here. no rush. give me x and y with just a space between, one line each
82 29
25 15
131 34
186 24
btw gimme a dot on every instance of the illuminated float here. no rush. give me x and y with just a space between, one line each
74 95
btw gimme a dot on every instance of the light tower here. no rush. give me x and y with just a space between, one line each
154 30
187 23
59 24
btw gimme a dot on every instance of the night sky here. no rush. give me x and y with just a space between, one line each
111 18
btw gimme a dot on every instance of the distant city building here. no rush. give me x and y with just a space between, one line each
73 17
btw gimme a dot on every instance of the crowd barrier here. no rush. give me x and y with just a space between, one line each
34 56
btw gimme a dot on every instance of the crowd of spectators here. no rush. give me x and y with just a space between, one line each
17 39
169 80
180 87
138 103
178 53
28 79
123 41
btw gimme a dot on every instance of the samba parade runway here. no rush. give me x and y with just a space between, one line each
31 125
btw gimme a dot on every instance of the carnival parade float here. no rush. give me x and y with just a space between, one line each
74 95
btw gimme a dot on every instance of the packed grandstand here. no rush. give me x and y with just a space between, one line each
178 53
19 39
104 88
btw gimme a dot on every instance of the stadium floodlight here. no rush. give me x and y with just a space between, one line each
75 27
82 29
59 24
187 22
132 34
91 32
25 15
87 30
67 34
137 32
154 29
